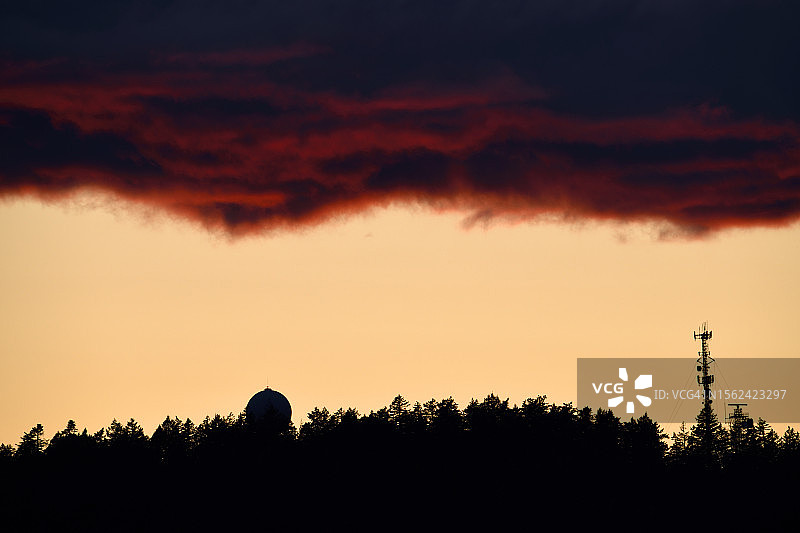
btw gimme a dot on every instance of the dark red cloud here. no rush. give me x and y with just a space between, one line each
282 134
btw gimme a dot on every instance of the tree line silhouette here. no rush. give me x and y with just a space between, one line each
503 458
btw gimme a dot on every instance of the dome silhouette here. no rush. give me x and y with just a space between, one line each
268 402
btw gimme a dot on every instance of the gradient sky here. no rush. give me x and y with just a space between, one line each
355 199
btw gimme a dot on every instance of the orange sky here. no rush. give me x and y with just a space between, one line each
110 312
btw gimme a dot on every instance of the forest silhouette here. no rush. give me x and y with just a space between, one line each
427 465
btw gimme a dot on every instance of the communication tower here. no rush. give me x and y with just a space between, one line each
739 419
704 379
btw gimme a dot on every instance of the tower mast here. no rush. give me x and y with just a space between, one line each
703 362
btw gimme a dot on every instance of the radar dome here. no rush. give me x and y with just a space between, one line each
268 401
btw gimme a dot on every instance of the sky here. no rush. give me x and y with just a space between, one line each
351 200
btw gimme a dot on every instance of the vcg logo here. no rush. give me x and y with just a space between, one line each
644 381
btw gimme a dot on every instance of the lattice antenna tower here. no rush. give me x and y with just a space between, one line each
739 418
704 379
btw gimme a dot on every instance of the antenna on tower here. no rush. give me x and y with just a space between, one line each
739 422
703 362
739 418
